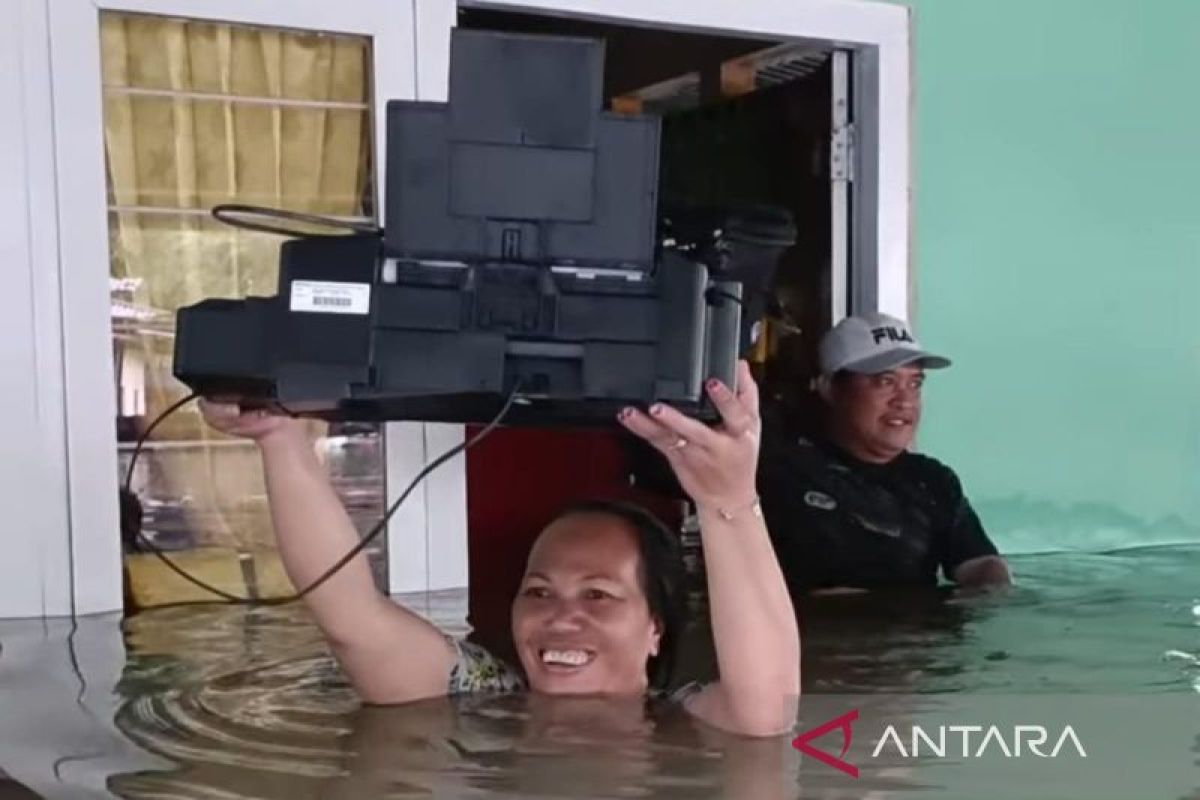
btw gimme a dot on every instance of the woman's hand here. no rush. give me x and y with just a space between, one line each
753 623
257 424
715 466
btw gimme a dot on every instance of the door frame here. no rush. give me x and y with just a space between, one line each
875 36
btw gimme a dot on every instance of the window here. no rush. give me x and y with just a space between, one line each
199 113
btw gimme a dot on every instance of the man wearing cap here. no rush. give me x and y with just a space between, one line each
848 506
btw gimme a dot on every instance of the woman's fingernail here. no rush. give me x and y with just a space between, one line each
715 385
656 409
624 413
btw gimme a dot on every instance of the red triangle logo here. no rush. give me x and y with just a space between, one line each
842 723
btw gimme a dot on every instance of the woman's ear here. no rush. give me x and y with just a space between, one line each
656 636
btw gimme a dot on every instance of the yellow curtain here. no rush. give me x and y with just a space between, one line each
197 114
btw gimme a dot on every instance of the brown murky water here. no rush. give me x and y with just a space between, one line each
225 702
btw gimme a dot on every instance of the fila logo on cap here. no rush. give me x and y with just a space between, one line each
891 334
872 343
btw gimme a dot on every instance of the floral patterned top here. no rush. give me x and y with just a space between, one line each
476 671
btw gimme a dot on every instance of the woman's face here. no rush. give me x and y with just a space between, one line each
580 621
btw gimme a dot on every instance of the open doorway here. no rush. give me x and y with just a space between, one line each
745 122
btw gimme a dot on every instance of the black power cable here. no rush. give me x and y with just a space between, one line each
226 597
235 214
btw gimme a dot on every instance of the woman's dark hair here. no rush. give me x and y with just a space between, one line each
660 572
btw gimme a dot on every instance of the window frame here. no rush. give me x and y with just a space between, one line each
87 376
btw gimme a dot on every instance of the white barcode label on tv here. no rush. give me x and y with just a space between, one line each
331 297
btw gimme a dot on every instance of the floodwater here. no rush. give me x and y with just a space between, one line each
235 702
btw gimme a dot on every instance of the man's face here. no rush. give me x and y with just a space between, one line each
875 417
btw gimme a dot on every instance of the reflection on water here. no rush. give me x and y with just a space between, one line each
241 702
508 747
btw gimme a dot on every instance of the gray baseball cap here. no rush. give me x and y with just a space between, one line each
873 343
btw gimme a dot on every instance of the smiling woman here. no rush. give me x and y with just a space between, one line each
600 605
597 612
599 609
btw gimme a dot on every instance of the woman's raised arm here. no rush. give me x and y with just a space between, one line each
389 654
754 623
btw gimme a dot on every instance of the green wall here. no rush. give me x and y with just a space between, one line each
1057 256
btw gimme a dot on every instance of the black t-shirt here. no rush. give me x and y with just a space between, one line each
839 521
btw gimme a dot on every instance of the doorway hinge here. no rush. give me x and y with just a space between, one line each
841 153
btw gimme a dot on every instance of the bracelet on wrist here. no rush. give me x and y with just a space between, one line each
730 513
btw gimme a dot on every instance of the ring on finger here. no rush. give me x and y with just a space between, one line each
678 444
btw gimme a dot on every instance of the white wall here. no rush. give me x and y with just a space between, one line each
57 732
35 577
